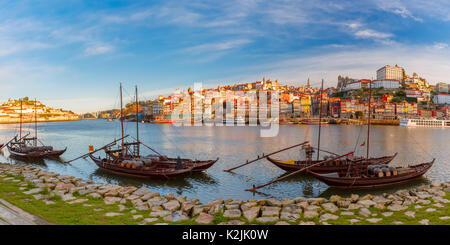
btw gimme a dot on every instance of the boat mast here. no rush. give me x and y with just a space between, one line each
20 127
121 119
320 120
137 122
35 123
368 130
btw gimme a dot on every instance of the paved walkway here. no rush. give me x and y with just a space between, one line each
12 215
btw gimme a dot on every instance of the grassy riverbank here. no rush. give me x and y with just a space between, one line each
76 205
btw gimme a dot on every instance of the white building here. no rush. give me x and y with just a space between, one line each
390 72
356 85
386 84
442 99
442 88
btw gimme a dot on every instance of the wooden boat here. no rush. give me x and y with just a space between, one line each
363 174
162 121
125 159
311 122
404 174
367 176
28 148
340 165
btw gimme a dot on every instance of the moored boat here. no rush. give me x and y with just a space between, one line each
28 148
140 168
361 180
370 176
339 165
126 158
428 123
336 166
26 151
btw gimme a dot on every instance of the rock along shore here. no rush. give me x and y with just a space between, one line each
170 208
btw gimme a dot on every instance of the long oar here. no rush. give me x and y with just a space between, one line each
326 151
101 148
264 156
8 142
298 171
23 137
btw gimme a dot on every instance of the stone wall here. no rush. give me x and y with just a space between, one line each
171 208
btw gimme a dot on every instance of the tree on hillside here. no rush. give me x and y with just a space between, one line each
359 114
400 93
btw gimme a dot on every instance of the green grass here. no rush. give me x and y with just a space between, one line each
63 213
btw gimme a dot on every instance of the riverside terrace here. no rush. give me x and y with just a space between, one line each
61 199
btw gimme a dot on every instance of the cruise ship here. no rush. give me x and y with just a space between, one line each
433 123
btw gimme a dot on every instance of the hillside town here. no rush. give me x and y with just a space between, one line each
394 95
12 110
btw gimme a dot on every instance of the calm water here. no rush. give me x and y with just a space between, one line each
234 145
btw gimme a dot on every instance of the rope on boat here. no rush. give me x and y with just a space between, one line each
357 140
420 145
99 149
265 156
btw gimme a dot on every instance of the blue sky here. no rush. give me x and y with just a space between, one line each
73 54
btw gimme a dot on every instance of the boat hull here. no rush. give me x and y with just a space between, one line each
157 171
36 154
336 166
197 166
413 172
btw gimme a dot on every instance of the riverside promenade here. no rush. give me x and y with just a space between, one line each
12 215
66 200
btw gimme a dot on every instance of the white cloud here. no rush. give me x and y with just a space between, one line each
440 46
433 9
218 46
98 49
356 63
368 33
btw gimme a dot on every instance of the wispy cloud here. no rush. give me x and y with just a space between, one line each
218 46
368 33
359 30
397 7
417 9
98 49
359 63
439 46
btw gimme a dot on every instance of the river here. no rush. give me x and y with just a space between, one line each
234 145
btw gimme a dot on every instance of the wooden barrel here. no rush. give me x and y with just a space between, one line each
393 171
378 172
386 172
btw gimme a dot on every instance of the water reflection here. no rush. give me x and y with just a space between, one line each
235 145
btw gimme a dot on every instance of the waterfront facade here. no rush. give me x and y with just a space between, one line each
442 99
388 84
